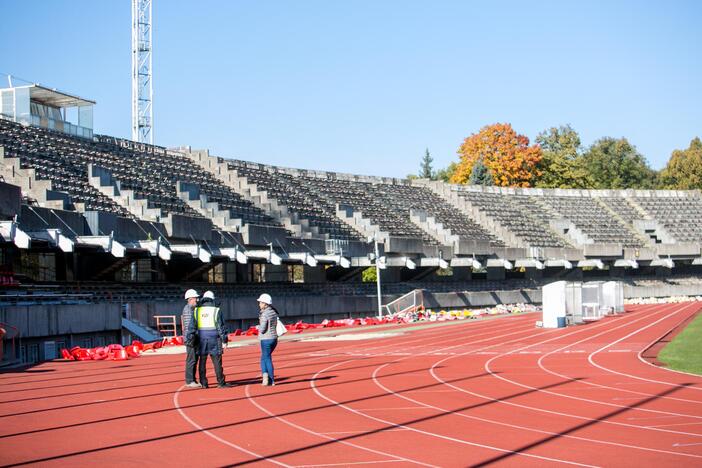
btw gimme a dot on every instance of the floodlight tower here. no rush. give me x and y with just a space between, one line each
142 78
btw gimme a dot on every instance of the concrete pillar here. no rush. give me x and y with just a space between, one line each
391 275
275 273
461 274
316 274
533 273
495 273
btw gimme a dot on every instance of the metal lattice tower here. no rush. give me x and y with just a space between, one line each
142 78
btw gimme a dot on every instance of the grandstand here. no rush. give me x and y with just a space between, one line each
99 233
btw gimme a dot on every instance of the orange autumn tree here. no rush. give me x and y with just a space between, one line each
506 154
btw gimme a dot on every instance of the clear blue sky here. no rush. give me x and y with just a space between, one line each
366 86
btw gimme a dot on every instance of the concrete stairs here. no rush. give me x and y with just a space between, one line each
570 232
38 189
363 225
635 232
102 180
222 218
433 228
487 222
250 191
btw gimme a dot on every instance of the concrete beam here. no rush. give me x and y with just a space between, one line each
106 243
10 231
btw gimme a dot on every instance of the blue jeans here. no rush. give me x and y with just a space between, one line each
267 348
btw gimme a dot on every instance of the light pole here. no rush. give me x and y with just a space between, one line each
377 277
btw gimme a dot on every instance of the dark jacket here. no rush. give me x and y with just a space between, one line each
221 333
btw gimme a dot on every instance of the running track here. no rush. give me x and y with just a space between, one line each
467 393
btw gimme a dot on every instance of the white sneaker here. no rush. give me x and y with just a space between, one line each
264 381
193 385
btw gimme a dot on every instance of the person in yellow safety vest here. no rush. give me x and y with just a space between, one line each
208 324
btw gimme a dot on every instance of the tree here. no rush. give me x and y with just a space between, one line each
480 175
684 168
369 275
425 169
615 164
506 154
562 165
446 173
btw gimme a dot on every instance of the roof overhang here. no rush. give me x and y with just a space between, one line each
54 97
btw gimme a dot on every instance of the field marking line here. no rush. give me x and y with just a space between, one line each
432 371
327 437
208 433
427 433
590 358
548 370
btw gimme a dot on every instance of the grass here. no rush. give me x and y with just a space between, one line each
684 353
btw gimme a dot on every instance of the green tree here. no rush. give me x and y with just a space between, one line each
562 165
369 275
684 168
425 169
480 174
615 164
446 173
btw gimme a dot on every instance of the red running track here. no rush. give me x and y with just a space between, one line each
467 393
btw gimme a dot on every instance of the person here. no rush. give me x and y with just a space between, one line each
208 326
191 356
267 336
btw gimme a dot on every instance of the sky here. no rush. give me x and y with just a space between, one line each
365 86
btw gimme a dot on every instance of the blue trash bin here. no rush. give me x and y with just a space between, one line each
561 321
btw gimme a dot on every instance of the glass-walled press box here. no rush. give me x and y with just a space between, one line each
48 108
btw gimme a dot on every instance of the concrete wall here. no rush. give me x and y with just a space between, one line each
50 320
241 312
10 197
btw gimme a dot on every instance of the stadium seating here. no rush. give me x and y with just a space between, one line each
495 216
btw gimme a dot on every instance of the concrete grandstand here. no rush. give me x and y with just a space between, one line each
99 235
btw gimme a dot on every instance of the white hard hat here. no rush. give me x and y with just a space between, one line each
265 298
208 295
191 293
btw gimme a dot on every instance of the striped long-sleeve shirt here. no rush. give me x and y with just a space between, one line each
187 316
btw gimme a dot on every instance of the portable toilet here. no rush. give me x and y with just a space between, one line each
592 300
574 302
553 300
613 296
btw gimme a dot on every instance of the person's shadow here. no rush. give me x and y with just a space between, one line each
278 381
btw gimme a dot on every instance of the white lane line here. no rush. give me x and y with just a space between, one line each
598 402
432 371
349 463
330 438
190 421
590 358
541 365
483 328
176 403
394 409
678 424
463 414
431 434
361 432
687 445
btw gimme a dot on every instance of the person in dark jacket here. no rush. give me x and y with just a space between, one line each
267 336
190 352
208 325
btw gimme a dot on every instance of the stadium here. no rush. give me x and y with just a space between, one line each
100 236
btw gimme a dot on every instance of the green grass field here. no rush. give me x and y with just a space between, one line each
684 353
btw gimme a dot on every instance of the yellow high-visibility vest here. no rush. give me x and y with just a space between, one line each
206 317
